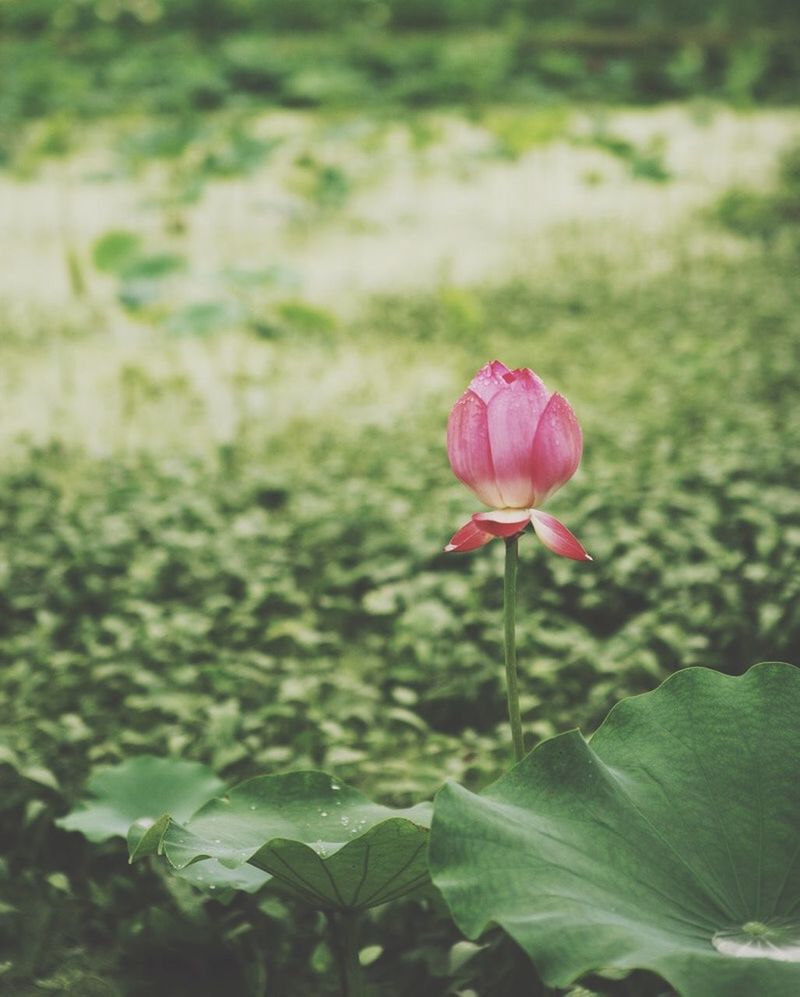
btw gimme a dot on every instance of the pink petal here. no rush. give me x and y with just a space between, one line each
555 536
521 372
557 447
502 522
469 537
489 380
468 448
513 415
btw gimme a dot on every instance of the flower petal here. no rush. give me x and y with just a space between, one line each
502 522
513 415
556 537
557 447
488 380
468 448
469 537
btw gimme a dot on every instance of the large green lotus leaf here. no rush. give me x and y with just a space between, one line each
129 800
670 841
324 840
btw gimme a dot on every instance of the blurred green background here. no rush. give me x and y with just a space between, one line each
252 252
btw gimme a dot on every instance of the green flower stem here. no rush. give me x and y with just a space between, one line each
345 932
510 643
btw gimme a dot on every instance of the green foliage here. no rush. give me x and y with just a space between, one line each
212 16
204 318
282 601
141 274
517 130
141 789
644 848
144 282
766 215
218 146
645 163
115 251
324 841
326 185
82 69
131 801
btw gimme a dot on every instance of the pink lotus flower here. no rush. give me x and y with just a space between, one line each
514 444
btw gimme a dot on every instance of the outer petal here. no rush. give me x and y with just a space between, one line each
469 537
555 536
502 522
513 415
557 447
489 379
468 448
